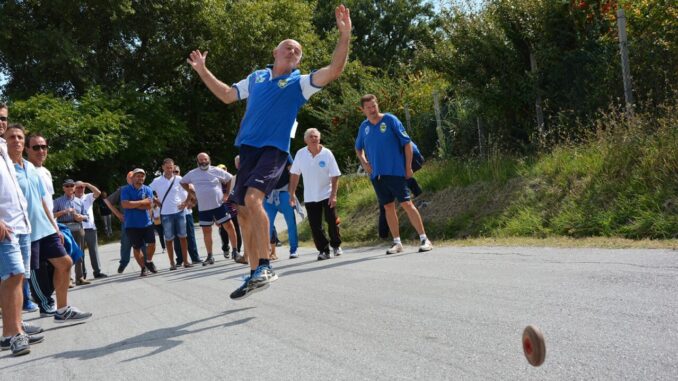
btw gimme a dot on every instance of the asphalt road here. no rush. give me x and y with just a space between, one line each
453 313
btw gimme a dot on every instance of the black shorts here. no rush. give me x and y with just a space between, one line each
140 237
260 168
391 188
48 247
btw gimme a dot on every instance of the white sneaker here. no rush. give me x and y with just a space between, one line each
396 248
337 251
425 246
323 256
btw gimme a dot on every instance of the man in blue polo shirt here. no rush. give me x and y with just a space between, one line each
385 152
274 96
137 200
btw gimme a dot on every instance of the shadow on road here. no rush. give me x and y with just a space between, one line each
160 340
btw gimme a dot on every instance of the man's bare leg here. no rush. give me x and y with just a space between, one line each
11 298
184 249
392 219
257 222
139 257
150 251
170 252
414 216
207 237
62 272
244 217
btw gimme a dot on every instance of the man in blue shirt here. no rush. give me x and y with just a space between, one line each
385 152
46 240
274 96
137 201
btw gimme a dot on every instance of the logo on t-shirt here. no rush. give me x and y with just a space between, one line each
282 83
260 78
367 130
322 164
382 127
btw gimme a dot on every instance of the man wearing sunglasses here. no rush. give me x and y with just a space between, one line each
3 118
37 150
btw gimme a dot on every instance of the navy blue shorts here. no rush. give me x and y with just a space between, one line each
260 168
140 237
391 188
45 248
217 215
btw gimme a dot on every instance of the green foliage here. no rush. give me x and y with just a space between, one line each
87 130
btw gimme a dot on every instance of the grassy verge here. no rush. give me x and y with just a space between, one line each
617 189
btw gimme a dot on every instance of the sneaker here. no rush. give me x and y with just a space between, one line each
31 329
240 259
227 255
151 267
100 276
294 255
209 260
337 251
143 272
425 246
71 314
5 342
187 265
19 344
248 288
48 313
82 282
396 248
121 268
173 267
263 274
29 306
322 256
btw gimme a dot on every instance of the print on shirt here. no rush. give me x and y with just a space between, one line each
382 127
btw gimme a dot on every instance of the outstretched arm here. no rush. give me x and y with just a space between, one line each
226 93
329 73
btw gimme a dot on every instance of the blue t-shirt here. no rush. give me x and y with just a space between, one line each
33 189
383 144
272 107
136 218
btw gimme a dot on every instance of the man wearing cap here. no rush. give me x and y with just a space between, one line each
70 211
89 226
114 204
137 201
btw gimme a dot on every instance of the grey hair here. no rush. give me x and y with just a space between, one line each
311 130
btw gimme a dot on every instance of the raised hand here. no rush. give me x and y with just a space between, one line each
343 16
197 60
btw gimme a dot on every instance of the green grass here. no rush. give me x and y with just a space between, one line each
621 182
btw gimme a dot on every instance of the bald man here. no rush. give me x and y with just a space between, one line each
207 190
274 96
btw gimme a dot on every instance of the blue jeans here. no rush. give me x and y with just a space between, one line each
287 212
11 261
174 225
190 240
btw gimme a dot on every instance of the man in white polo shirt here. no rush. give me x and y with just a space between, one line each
91 239
172 199
321 179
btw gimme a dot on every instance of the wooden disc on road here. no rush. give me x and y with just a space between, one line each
534 345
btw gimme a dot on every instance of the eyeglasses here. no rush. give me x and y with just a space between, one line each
39 147
3 118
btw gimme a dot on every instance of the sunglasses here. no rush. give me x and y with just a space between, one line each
3 118
69 186
176 172
39 147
